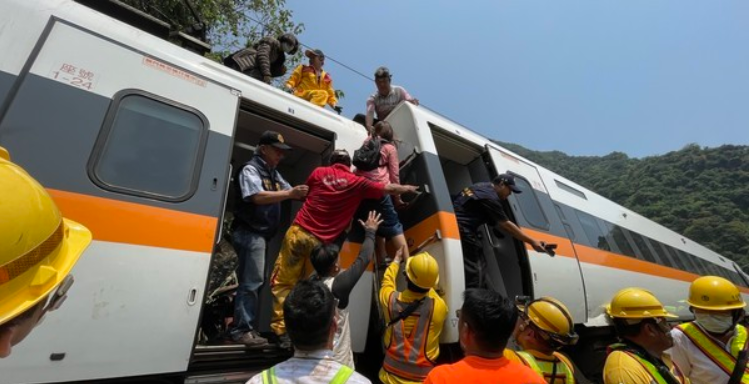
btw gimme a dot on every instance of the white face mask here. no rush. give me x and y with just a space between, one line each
714 323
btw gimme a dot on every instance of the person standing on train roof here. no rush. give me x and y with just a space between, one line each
334 195
38 249
265 59
326 261
640 322
414 320
257 216
311 82
707 348
385 99
485 324
545 327
388 171
480 204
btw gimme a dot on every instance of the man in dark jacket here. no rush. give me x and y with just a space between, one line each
481 204
257 216
265 59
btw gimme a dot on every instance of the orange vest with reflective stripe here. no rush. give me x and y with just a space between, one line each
723 359
406 356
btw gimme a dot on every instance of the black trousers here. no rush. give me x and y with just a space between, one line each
474 260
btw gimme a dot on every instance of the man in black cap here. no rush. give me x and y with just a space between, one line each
481 204
256 218
312 83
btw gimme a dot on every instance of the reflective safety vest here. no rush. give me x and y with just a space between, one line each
550 370
269 375
650 367
406 356
723 359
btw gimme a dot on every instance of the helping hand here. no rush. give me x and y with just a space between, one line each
299 192
373 221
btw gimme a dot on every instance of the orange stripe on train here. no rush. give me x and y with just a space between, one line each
444 221
597 256
131 223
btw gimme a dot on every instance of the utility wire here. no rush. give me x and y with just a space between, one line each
267 27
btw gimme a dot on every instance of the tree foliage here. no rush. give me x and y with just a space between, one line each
702 193
229 24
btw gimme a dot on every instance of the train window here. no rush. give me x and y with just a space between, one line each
703 265
149 147
716 270
596 237
621 241
688 260
643 247
658 252
529 205
567 226
736 278
677 261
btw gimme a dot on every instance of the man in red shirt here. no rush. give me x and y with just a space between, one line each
334 195
485 323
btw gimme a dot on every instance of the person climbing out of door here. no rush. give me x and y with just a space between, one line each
386 169
480 204
334 195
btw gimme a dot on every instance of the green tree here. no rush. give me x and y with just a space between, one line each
228 24
702 193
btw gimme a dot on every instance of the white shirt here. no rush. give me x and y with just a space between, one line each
342 339
693 362
309 367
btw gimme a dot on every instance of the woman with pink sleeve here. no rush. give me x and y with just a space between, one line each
391 228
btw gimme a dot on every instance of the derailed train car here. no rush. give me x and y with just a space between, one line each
136 138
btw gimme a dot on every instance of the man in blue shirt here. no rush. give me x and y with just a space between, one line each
256 219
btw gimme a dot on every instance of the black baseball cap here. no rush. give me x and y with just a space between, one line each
508 180
273 138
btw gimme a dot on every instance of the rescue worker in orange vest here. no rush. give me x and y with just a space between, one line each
707 347
640 321
545 327
414 317
38 248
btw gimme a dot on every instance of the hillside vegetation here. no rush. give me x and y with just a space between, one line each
702 193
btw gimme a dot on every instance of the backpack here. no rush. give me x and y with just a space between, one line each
367 157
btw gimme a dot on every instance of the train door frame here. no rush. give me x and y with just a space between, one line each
311 146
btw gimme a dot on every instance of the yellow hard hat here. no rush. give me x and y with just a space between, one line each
553 317
714 293
38 247
422 270
636 303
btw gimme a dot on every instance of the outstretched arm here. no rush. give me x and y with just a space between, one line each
344 283
397 189
518 233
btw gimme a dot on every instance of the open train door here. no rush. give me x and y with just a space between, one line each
429 220
533 211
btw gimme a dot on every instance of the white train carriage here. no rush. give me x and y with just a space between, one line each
136 138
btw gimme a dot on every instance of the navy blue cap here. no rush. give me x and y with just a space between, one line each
508 180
